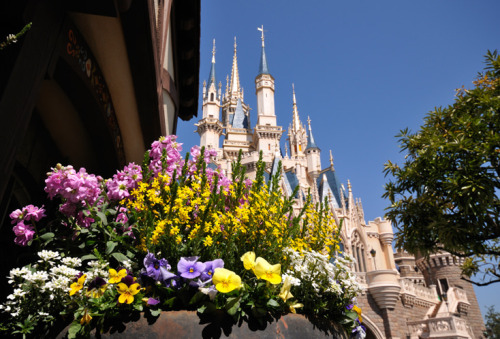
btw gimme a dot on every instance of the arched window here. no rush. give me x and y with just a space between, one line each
211 97
358 252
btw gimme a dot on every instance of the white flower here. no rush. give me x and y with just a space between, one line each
48 255
71 262
63 270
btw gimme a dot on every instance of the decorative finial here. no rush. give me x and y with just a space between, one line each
261 28
235 45
286 151
309 122
213 52
331 158
293 91
349 185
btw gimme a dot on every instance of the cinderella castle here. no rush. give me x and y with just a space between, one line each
404 296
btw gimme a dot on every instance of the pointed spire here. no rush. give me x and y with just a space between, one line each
310 139
350 202
211 76
331 159
234 88
286 150
295 121
263 69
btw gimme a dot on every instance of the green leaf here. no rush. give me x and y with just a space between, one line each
110 246
273 303
88 257
103 218
155 313
47 236
73 330
119 256
232 306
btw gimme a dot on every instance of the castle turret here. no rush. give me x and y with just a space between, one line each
266 133
264 88
313 154
209 127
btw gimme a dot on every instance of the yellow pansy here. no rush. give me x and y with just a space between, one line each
86 318
285 293
225 280
248 260
127 292
78 285
264 270
116 277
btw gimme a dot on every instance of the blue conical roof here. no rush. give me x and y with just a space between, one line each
310 139
240 120
263 69
211 76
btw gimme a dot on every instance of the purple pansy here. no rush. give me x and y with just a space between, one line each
190 268
210 266
152 302
157 269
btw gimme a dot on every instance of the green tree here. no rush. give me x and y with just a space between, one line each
492 323
445 196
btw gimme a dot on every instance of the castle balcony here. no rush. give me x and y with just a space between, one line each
416 294
440 328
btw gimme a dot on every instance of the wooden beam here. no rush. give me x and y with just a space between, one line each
21 92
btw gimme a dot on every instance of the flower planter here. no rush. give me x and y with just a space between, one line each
188 325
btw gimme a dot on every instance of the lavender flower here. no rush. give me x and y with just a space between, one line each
157 269
210 266
190 268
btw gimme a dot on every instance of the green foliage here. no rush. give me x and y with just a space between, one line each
445 195
492 323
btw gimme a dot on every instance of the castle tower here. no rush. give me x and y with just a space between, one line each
313 154
235 116
297 136
266 133
458 297
209 127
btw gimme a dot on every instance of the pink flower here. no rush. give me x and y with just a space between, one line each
34 213
27 213
24 233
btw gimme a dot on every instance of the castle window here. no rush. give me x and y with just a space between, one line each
211 97
300 147
268 147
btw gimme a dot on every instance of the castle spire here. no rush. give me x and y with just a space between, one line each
263 69
331 159
211 76
235 76
296 121
310 139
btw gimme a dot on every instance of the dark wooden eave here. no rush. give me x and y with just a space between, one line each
186 29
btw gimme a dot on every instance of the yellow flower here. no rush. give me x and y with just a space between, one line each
294 306
225 280
208 241
266 271
178 239
285 293
116 277
248 260
76 286
86 318
127 292
358 311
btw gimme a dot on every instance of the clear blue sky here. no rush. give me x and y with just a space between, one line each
363 70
